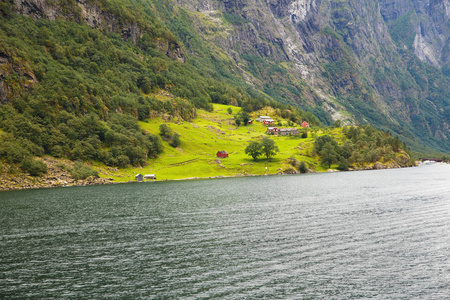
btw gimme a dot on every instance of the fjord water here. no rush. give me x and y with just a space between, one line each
371 234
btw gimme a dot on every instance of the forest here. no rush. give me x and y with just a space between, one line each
77 92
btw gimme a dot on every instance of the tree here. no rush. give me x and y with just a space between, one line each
253 149
302 167
242 117
165 131
268 147
229 110
329 154
321 141
34 167
175 142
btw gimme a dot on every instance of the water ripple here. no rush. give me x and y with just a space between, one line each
379 235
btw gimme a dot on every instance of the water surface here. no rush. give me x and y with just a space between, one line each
352 235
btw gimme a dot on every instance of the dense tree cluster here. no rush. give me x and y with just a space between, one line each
77 92
361 145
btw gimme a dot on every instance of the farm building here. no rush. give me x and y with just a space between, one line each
305 124
288 131
262 118
139 177
268 122
222 154
273 130
149 176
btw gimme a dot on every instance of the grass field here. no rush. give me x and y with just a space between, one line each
215 131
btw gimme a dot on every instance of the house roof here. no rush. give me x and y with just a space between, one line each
288 129
222 152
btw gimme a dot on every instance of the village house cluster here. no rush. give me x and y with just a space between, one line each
279 131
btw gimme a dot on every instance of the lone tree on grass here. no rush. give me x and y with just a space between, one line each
253 149
269 148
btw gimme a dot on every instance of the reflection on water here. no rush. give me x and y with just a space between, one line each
376 234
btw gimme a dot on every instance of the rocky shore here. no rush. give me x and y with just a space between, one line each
12 178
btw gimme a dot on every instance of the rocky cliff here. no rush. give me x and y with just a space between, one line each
362 60
96 15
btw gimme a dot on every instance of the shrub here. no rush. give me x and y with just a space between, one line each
175 142
34 167
293 161
165 131
80 171
302 167
343 164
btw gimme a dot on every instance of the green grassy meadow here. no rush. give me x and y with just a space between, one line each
215 131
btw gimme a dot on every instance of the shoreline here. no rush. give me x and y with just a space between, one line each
106 181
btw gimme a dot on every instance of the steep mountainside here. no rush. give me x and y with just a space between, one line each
383 62
362 60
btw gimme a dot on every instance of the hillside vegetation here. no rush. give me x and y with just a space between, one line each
77 93
315 149
97 93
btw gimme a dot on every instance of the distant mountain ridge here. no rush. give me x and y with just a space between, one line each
382 62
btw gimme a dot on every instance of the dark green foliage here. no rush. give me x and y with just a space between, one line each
328 154
175 141
364 145
304 134
92 85
81 171
16 150
302 167
320 142
268 147
343 164
34 167
254 149
229 110
165 131
242 118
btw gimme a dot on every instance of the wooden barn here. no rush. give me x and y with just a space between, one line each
288 131
222 154
268 122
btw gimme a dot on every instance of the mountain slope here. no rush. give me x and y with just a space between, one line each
364 61
360 61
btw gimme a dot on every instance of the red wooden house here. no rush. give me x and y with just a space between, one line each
222 154
268 122
305 124
273 130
